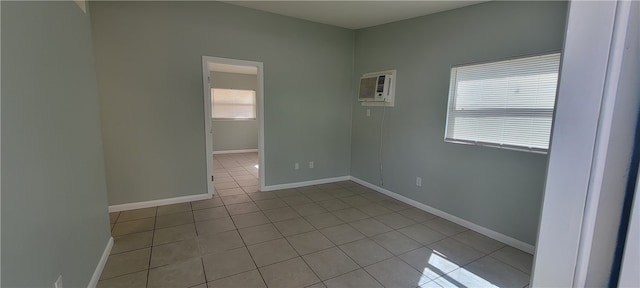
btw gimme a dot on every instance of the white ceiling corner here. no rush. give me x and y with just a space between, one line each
354 14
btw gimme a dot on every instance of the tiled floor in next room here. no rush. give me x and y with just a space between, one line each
331 235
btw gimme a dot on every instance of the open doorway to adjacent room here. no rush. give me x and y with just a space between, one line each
234 98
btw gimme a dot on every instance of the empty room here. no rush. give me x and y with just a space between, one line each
320 143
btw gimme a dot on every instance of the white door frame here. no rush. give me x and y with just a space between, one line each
207 115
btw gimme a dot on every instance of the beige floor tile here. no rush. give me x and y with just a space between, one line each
486 272
215 226
226 185
342 234
455 251
374 210
250 279
208 203
478 241
219 242
395 220
430 263
417 215
138 279
257 196
394 205
131 242
280 214
125 263
250 189
370 227
396 242
250 219
356 201
323 220
287 192
268 204
230 191
340 193
309 209
350 214
173 234
242 208
134 226
235 199
422 234
224 264
333 204
296 200
309 242
330 263
173 208
210 213
365 252
318 195
293 226
358 278
261 233
518 259
137 214
174 219
445 227
248 182
395 273
174 252
270 252
293 273
182 274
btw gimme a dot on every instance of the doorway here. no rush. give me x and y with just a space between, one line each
234 124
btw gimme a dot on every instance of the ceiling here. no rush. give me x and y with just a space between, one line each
354 14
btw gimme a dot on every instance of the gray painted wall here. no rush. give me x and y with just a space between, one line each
234 134
54 198
149 72
494 188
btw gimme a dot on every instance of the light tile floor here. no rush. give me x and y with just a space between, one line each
331 235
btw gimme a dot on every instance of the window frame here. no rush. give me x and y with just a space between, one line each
452 97
255 106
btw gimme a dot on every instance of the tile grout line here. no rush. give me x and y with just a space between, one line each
153 234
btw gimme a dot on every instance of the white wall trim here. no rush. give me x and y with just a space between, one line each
305 183
103 260
234 151
159 202
475 227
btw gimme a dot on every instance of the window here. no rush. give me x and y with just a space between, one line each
507 104
233 104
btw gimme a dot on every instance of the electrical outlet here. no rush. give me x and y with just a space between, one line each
368 112
58 283
311 164
296 166
419 181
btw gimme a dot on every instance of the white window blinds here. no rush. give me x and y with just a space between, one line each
233 104
506 104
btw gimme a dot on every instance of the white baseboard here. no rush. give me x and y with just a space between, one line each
462 222
160 202
234 151
103 260
305 183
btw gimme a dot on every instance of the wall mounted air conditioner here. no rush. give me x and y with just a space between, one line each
377 89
